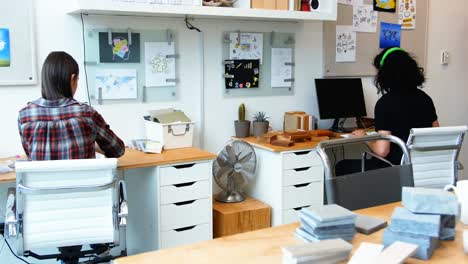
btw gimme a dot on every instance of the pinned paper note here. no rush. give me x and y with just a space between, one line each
160 65
365 18
246 46
385 5
121 49
407 14
390 35
116 84
351 2
281 67
345 44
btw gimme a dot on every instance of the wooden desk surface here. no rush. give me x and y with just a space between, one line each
297 146
264 246
133 159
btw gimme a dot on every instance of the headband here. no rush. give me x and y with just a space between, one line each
388 52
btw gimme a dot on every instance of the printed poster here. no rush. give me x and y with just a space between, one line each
160 65
281 67
5 59
246 46
345 44
116 83
121 49
385 5
351 2
407 14
365 18
390 35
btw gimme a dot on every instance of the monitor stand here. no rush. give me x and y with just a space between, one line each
338 124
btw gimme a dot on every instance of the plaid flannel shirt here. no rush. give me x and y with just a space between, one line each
65 129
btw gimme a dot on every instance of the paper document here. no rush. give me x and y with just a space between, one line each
365 18
281 67
246 46
160 65
345 44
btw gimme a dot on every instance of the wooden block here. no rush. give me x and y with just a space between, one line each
235 218
283 143
321 133
282 4
297 136
263 4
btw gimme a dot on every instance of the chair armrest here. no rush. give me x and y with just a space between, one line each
364 157
460 166
11 223
123 204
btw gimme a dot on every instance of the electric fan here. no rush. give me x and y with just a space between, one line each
233 168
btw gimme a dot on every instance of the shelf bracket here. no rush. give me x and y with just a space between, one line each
169 36
272 38
100 96
109 36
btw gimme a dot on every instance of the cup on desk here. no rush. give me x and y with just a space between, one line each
462 193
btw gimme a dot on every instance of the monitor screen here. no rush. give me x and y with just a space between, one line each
340 98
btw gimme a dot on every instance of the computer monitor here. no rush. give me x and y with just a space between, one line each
340 98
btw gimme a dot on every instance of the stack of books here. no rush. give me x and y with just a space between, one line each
328 251
429 215
326 222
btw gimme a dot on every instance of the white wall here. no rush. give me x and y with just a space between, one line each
448 85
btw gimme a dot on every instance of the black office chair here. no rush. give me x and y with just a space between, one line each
366 188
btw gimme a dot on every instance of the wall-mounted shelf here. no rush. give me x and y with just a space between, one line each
327 11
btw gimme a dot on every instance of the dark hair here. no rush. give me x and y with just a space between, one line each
399 72
56 75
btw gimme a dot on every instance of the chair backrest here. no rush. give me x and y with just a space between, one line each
369 188
66 203
434 152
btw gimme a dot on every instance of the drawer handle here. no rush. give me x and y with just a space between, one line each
184 228
184 184
302 153
300 208
302 169
185 166
185 203
301 185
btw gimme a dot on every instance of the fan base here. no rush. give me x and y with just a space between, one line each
229 197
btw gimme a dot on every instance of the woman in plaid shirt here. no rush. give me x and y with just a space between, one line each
56 126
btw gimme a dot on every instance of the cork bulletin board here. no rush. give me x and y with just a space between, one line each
367 44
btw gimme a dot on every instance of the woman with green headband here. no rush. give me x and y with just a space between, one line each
402 106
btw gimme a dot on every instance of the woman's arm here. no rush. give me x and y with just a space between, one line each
435 123
379 147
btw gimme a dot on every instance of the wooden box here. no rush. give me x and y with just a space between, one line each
270 4
235 218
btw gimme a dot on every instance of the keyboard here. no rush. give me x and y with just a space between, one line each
349 135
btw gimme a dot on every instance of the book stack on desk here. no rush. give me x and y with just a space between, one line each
326 222
327 251
429 215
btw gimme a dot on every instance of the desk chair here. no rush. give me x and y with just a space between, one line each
66 204
434 152
366 188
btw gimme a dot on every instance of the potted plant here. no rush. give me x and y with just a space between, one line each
242 126
260 124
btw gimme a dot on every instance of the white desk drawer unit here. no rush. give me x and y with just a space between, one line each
184 204
288 181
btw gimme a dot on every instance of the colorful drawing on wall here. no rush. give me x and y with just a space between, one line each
390 35
116 83
241 74
246 46
345 44
407 14
5 47
121 49
385 5
365 18
160 64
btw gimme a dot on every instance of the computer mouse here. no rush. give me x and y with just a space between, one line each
314 4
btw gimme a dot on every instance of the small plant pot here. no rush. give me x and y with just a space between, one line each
242 128
260 128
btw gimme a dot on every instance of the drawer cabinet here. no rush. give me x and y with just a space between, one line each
187 235
288 181
184 204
